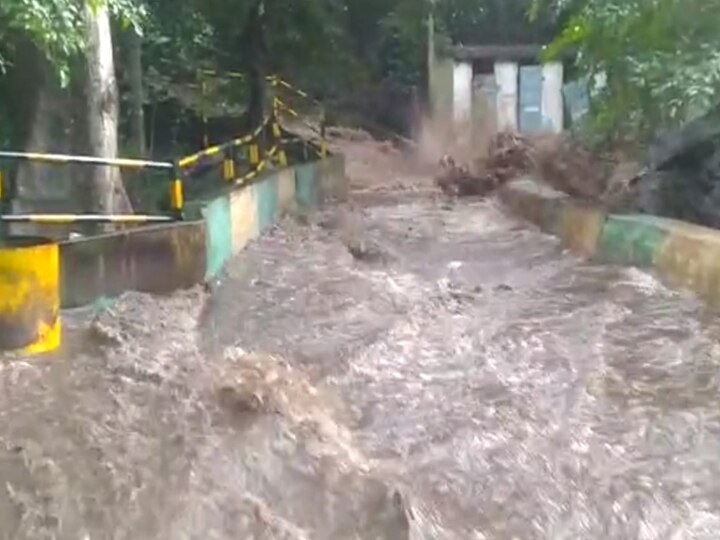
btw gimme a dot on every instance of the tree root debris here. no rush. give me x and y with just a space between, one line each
510 155
563 162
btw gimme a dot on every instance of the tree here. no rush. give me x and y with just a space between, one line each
134 62
102 111
659 57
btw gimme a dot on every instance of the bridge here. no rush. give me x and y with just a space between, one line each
396 366
261 176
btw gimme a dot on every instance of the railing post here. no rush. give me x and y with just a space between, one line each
274 92
254 153
203 87
3 203
323 139
177 196
277 134
229 164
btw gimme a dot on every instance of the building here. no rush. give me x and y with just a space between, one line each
500 87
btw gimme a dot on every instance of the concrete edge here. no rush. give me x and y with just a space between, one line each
683 255
165 258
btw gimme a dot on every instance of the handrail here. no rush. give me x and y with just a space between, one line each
282 82
86 160
292 112
176 174
58 219
216 149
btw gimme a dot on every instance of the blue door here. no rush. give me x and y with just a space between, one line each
531 86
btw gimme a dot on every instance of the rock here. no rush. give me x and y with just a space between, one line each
683 178
366 250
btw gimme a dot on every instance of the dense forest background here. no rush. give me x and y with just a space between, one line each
164 50
135 77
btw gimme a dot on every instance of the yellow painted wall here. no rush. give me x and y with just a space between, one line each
243 217
30 298
690 258
286 190
580 228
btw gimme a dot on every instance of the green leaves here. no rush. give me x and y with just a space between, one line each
53 25
56 26
660 57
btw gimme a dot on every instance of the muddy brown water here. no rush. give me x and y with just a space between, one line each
391 371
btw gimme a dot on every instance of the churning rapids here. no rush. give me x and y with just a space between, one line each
382 371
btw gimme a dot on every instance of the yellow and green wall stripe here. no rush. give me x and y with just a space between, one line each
243 212
683 255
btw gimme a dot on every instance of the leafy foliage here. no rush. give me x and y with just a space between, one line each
495 22
53 25
329 47
660 59
56 26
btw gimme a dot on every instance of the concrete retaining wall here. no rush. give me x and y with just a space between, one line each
684 255
165 258
157 259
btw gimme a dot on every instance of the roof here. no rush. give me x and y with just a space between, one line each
500 52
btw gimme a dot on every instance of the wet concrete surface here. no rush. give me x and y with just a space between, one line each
400 368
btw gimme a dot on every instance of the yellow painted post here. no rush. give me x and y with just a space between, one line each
277 132
323 138
229 165
275 98
4 206
29 295
206 138
276 135
254 153
177 197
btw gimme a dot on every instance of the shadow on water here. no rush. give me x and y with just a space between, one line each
386 372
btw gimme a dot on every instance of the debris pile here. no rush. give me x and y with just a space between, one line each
561 161
457 180
571 167
509 156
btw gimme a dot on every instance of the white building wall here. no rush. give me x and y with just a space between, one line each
506 76
462 92
552 97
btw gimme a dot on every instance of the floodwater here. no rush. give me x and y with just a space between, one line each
388 370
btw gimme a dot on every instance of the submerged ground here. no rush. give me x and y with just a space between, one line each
396 367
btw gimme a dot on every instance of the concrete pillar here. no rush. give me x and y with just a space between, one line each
506 76
441 90
462 92
552 98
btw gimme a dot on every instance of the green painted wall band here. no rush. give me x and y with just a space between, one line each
633 240
267 198
683 255
306 186
219 235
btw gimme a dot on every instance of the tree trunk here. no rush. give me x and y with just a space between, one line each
102 93
252 40
41 112
137 94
